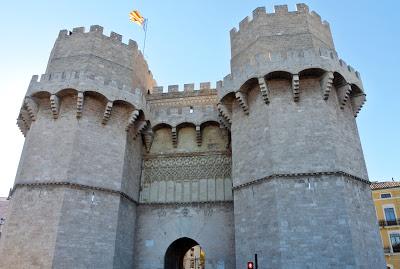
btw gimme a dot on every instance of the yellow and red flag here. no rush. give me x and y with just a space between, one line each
137 18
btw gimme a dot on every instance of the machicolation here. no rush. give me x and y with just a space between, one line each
118 172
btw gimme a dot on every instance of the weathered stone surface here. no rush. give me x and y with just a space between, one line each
114 169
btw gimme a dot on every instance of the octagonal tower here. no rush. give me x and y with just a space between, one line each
77 186
301 189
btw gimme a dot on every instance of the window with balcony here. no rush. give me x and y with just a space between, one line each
395 242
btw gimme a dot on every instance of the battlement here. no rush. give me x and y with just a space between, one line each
97 29
291 61
107 55
188 90
301 25
82 81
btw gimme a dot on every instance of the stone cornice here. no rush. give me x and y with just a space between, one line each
296 175
191 203
186 154
74 186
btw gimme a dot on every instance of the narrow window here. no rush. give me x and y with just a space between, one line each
191 109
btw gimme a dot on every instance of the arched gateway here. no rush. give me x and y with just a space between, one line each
178 250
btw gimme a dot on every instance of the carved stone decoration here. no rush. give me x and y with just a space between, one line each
185 212
357 103
326 84
187 168
223 122
22 125
264 89
224 112
296 87
344 94
198 135
107 112
79 105
139 127
161 213
242 99
208 211
31 107
148 137
54 105
132 119
174 136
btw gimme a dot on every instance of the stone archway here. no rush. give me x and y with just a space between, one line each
174 256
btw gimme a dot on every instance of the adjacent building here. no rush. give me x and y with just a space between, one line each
3 210
386 197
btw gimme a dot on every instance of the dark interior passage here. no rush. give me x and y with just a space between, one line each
176 252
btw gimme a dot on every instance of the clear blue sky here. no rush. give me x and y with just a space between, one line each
188 41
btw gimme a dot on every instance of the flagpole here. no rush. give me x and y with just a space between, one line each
145 35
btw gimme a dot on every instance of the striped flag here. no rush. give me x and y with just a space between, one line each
138 19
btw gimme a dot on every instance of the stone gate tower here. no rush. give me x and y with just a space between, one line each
73 202
301 190
117 173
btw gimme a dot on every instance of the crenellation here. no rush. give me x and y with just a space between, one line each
63 33
158 90
133 44
244 24
259 13
189 87
216 157
79 30
34 78
116 36
173 88
233 32
316 16
205 86
281 9
302 8
97 29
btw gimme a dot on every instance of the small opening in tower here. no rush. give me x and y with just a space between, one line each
148 91
191 109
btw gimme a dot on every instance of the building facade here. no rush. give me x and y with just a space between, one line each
118 173
386 197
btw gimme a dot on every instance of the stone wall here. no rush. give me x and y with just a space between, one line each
103 55
211 225
307 222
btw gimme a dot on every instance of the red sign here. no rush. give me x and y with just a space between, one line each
250 265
